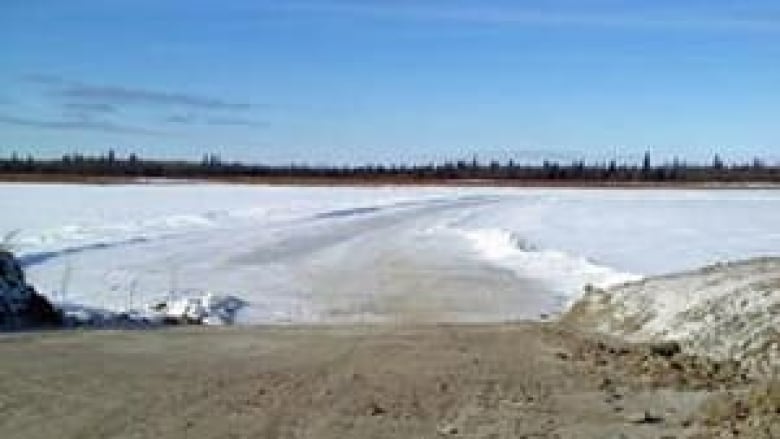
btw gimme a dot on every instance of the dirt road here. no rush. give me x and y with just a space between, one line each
480 381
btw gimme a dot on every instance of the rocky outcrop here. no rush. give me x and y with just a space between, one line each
20 305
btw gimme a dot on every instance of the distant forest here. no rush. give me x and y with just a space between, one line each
211 166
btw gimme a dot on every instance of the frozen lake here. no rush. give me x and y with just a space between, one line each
311 254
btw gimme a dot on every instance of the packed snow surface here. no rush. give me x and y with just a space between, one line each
317 254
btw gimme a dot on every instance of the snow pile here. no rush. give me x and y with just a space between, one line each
209 310
724 311
563 273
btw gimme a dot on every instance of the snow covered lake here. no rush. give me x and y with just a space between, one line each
316 254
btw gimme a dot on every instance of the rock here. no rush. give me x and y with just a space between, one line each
375 409
644 417
20 305
10 269
41 311
665 349
447 430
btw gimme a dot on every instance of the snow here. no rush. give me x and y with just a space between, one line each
314 254
723 311
507 249
208 309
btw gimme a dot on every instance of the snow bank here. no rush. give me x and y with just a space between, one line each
208 310
563 273
729 310
205 310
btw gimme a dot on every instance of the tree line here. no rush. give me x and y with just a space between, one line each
212 166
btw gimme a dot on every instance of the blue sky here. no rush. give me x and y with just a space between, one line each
340 81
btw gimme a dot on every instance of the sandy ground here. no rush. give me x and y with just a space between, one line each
475 381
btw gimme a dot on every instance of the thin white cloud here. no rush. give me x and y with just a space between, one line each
76 124
180 118
236 121
192 119
89 107
113 95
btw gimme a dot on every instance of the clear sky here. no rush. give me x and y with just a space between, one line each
340 81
